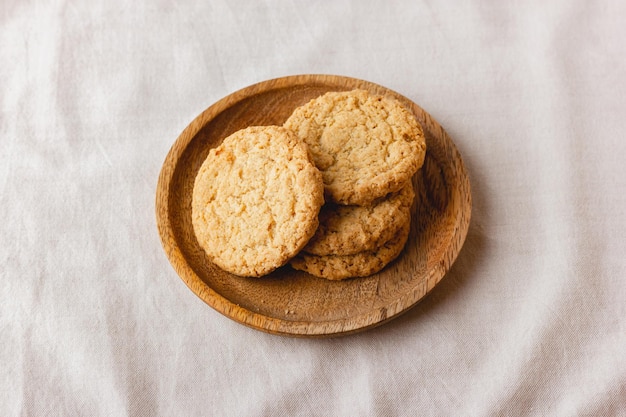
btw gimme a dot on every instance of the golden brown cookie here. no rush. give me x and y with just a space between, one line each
365 145
346 230
337 267
256 200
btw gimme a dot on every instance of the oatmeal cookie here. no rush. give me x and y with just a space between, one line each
256 200
346 230
366 146
337 267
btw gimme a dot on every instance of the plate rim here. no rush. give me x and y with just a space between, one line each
270 324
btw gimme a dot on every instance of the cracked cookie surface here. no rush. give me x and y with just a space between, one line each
346 230
338 267
366 146
256 200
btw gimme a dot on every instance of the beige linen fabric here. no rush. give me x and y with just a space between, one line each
531 320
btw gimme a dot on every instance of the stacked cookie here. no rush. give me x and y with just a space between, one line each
367 149
329 192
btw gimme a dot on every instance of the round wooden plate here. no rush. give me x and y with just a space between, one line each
290 302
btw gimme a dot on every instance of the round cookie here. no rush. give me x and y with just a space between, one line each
366 146
362 264
256 200
346 230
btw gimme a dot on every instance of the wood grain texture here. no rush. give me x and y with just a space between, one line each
290 302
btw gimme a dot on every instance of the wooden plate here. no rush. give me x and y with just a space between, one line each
290 302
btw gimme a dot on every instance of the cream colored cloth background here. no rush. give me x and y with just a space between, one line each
530 321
